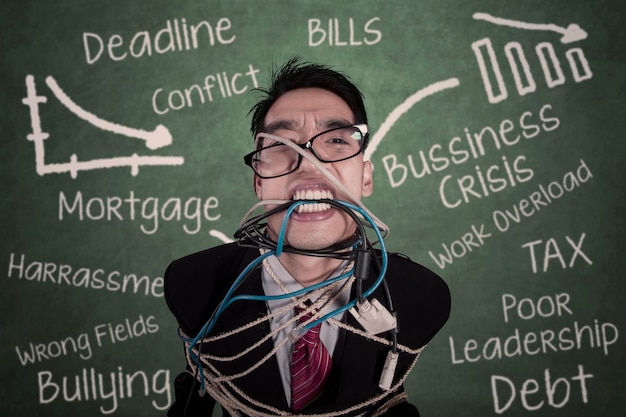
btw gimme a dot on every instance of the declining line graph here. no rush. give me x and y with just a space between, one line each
155 139
572 33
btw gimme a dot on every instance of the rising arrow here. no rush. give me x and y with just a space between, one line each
404 107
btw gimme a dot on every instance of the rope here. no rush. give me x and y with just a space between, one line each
237 403
218 385
393 401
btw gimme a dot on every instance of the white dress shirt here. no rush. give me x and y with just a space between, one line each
329 332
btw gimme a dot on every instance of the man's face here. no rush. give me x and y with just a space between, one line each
298 115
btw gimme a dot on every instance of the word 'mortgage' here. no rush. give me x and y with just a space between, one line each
150 209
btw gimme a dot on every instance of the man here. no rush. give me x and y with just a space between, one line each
237 306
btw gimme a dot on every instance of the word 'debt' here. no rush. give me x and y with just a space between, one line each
558 392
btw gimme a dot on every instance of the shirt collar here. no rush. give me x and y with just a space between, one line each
290 284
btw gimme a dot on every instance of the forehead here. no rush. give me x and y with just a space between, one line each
308 108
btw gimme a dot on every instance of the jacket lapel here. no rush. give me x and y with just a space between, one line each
263 383
357 364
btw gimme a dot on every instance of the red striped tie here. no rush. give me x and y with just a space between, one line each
310 366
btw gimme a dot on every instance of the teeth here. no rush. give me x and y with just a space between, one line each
312 195
312 207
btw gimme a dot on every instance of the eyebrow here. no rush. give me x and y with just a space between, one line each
291 125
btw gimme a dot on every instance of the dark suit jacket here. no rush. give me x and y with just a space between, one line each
195 284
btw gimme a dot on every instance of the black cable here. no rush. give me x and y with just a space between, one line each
252 233
394 332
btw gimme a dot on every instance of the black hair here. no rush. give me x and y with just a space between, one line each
295 74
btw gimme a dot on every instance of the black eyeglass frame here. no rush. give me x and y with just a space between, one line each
362 128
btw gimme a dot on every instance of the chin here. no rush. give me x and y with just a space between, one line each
309 245
313 240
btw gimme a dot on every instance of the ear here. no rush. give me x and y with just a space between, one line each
257 187
367 185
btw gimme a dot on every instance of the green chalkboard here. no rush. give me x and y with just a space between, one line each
497 145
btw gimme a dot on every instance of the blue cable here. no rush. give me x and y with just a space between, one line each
291 294
280 242
208 326
378 281
227 300
283 226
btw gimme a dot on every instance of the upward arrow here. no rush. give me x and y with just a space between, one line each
571 33
404 107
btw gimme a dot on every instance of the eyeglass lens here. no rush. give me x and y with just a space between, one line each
276 158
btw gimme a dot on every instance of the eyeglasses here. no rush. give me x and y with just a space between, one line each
276 159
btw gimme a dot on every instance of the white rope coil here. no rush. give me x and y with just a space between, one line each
223 389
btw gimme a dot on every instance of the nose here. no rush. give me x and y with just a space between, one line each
306 164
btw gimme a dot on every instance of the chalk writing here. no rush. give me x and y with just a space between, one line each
568 336
96 279
227 85
504 219
552 252
334 35
532 386
152 210
176 36
470 146
43 351
543 196
545 306
468 242
105 333
107 388
157 138
574 336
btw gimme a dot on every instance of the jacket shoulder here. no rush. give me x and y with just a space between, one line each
421 298
195 283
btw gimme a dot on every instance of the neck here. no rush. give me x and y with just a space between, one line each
309 270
